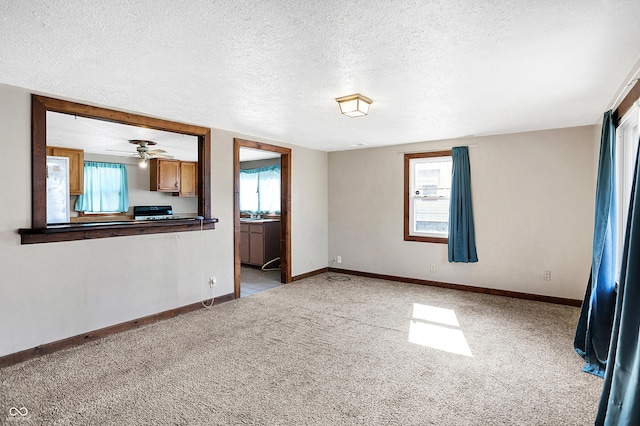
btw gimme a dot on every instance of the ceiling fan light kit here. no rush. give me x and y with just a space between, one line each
354 105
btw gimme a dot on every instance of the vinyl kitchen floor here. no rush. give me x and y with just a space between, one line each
255 280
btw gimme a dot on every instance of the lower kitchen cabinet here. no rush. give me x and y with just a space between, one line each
259 242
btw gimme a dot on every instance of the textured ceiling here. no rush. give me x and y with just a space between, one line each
434 70
107 138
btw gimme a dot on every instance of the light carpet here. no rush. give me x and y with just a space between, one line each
358 352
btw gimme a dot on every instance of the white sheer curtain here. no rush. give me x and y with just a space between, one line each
106 188
260 190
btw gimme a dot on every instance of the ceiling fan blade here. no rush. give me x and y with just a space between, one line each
142 151
158 155
117 150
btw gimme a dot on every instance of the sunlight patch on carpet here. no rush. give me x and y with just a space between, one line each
437 336
434 314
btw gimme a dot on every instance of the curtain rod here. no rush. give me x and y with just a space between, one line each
433 150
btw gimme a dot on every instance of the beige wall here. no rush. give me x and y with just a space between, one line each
533 203
533 199
309 199
57 290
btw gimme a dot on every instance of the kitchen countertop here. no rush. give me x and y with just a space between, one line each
121 218
248 220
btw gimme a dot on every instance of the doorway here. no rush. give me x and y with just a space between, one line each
285 209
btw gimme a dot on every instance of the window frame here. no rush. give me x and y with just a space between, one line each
258 171
407 197
625 154
41 233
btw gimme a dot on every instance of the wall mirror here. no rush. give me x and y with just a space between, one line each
112 136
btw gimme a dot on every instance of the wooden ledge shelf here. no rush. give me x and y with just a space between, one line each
89 231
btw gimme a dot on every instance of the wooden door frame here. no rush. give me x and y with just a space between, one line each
285 208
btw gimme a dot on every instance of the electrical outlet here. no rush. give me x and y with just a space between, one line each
212 282
433 268
339 259
546 276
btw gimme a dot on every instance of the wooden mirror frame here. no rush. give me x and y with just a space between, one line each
40 233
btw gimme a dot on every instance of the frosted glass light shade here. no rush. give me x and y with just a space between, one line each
354 105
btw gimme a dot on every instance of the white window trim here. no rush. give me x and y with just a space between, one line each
625 162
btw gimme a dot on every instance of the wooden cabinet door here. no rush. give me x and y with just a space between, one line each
271 242
188 179
256 244
244 243
164 175
259 242
76 167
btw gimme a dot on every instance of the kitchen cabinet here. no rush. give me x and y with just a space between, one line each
188 179
76 167
175 176
164 175
244 243
259 241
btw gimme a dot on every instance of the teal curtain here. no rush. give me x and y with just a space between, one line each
260 190
620 399
106 188
593 332
462 240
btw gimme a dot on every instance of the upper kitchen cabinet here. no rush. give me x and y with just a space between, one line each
164 175
188 179
76 167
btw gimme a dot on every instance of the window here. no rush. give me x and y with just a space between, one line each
627 135
105 188
260 190
427 192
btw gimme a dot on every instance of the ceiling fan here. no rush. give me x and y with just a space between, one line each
145 153
143 150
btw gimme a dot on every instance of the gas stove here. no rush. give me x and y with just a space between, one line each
152 212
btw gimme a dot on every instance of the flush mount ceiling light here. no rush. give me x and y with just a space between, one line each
354 105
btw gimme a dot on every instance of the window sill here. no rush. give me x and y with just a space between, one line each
417 238
88 231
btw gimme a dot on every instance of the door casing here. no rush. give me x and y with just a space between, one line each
285 208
